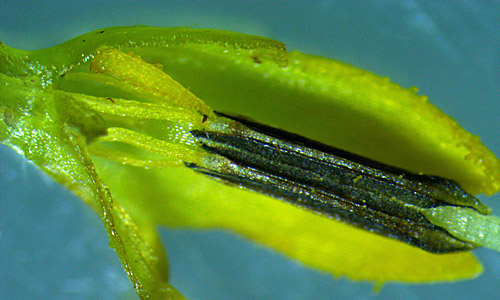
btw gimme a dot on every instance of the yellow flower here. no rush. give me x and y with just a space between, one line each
119 137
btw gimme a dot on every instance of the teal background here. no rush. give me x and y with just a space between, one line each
53 247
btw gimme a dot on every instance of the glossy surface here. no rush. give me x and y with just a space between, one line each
334 183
